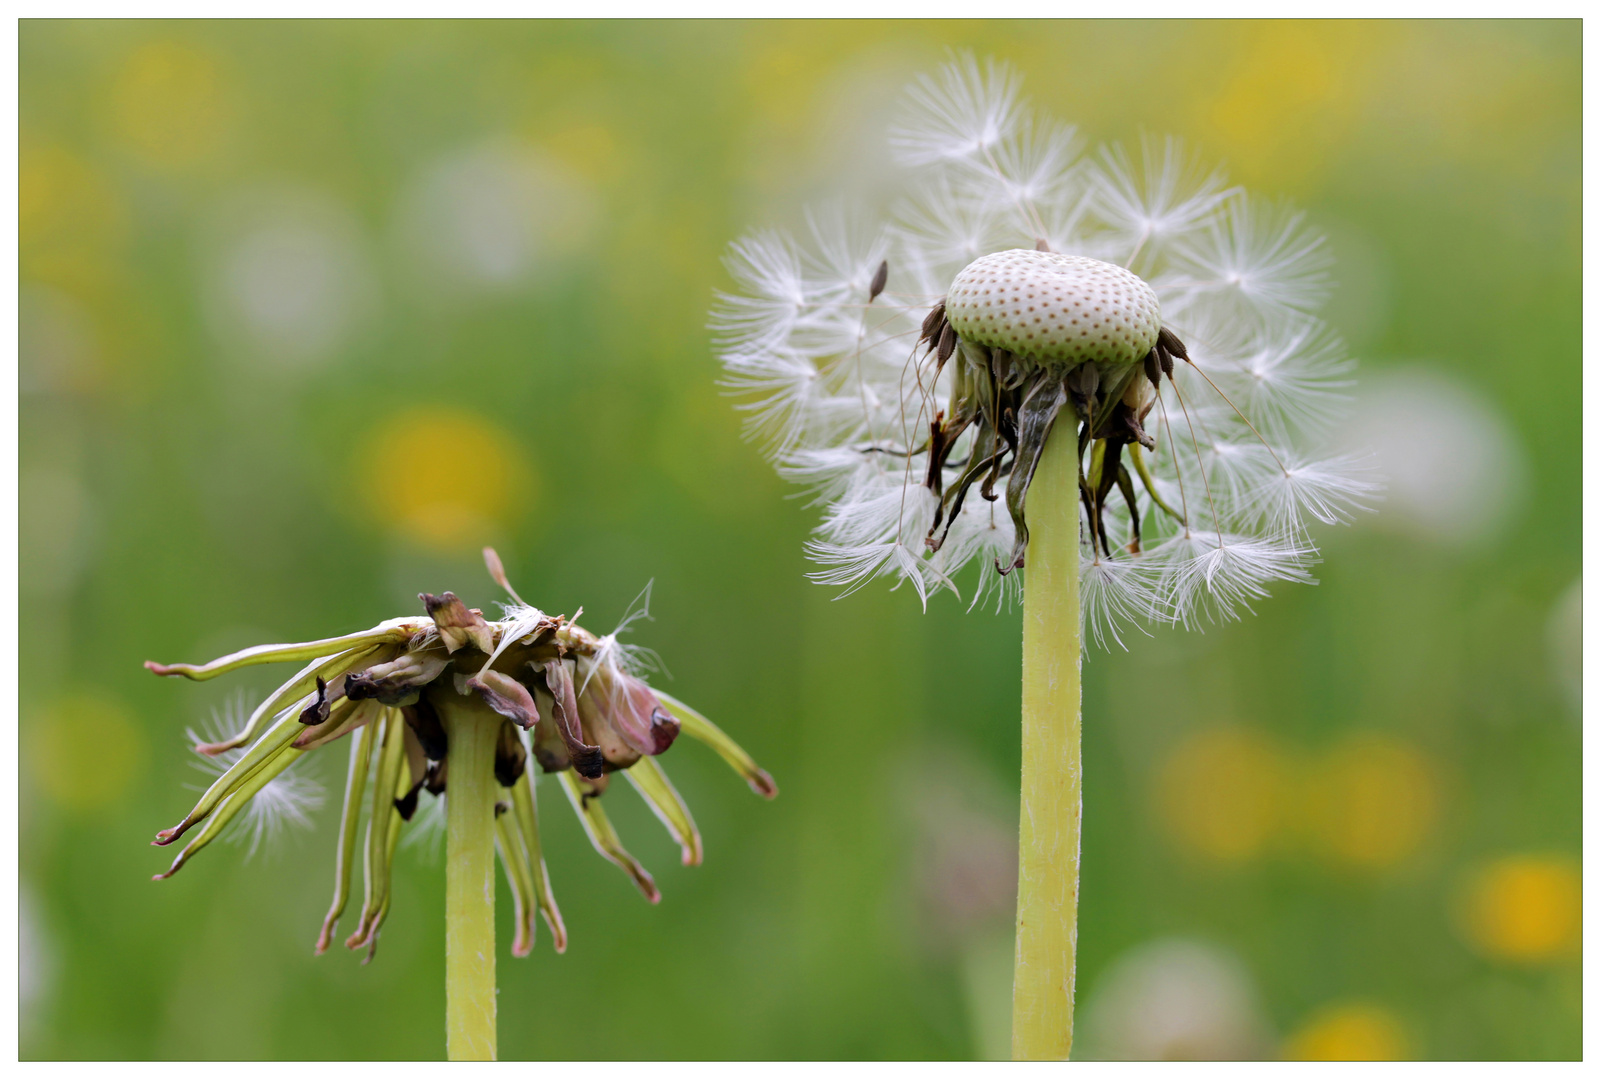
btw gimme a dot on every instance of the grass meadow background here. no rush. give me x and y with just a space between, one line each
310 312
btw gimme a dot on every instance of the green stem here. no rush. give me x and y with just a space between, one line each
472 729
1048 837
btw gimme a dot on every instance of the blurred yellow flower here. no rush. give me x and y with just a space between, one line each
1222 793
1524 908
1229 794
588 149
70 219
1349 1031
444 477
1372 801
1290 96
170 104
72 775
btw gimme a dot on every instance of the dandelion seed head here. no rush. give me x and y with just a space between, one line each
1060 309
912 410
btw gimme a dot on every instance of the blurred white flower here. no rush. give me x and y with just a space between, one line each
56 346
964 855
964 870
887 401
288 279
1173 1000
36 959
55 529
1451 463
482 219
1564 632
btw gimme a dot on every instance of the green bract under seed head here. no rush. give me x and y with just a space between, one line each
1060 310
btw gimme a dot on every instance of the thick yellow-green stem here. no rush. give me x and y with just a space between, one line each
1048 840
472 729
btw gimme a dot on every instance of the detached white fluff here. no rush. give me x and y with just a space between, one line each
286 802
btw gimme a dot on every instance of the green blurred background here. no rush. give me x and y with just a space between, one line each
311 311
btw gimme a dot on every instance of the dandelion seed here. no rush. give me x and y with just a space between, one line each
285 803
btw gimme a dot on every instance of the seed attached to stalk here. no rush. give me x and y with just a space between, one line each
1031 332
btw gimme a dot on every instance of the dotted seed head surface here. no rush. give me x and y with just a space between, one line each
1054 309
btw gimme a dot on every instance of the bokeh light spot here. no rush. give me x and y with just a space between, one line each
489 217
1221 793
57 349
288 280
1373 800
1525 908
588 149
1173 999
1350 1031
36 954
1284 71
54 530
446 478
84 750
1564 637
169 103
70 219
1286 101
1452 465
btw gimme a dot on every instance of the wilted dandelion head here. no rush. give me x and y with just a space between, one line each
909 370
569 703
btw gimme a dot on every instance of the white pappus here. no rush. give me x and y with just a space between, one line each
284 803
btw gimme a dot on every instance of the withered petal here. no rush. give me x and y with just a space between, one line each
604 837
458 624
698 727
587 758
422 718
396 682
317 711
510 756
506 696
550 749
